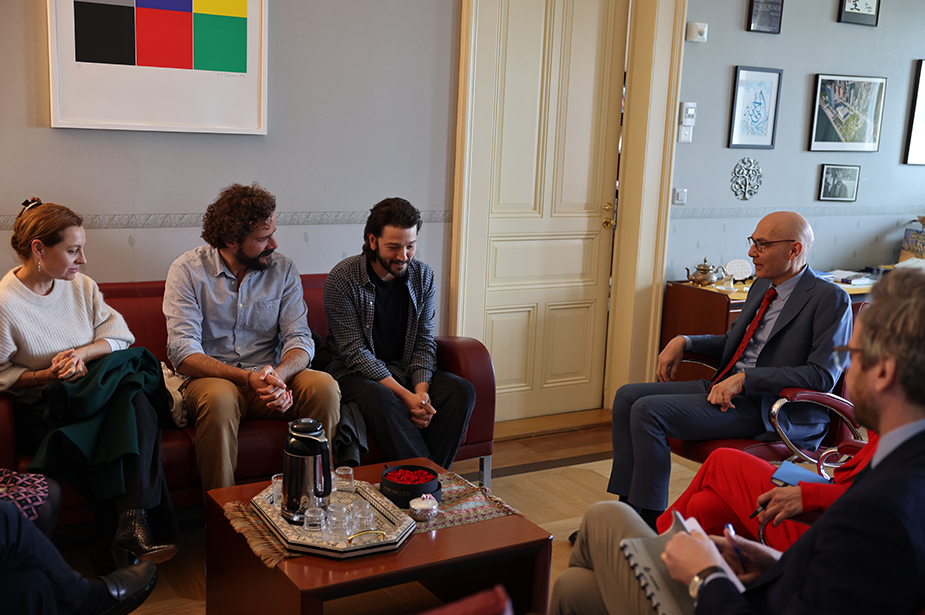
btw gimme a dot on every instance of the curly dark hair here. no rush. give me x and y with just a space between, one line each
235 213
394 211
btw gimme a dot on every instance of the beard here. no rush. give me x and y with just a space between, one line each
864 412
260 262
397 268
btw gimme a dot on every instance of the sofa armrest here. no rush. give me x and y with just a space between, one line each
468 358
7 433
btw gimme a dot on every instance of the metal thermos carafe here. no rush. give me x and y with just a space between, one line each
306 469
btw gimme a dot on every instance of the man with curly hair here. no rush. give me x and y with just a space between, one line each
237 327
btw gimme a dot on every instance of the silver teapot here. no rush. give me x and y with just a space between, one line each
706 275
306 469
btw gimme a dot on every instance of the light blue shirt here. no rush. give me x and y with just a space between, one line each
248 327
760 337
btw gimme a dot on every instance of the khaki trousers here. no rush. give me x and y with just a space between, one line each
218 406
599 580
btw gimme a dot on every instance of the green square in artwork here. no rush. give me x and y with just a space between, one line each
219 43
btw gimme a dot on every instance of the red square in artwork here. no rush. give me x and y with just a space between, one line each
164 38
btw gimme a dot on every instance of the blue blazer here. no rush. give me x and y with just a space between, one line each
865 555
798 353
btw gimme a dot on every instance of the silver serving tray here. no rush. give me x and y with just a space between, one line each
393 525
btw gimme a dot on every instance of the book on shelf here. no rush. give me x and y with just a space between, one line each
668 597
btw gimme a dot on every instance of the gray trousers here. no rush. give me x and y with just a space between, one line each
389 420
599 580
645 414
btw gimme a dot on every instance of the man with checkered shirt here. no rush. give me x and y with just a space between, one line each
380 309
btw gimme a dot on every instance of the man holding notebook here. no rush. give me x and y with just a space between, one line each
865 555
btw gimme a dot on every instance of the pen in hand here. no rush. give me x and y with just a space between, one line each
731 537
757 510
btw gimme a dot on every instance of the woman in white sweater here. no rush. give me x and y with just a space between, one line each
55 329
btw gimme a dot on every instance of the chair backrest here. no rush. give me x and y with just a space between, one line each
838 431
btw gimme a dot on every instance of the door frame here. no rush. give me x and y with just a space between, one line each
655 43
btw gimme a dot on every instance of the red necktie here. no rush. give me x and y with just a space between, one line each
768 298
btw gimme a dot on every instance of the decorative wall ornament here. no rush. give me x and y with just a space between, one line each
746 179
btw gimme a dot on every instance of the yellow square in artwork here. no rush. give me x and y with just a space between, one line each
228 8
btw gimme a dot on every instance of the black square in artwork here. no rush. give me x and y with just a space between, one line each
104 33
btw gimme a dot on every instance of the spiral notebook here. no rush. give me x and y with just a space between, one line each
668 597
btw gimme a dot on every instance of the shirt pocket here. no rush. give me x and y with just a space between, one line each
263 316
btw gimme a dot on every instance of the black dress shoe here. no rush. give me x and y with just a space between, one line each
133 540
129 587
573 537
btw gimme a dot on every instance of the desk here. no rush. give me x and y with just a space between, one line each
452 563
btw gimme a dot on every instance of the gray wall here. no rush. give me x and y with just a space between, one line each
362 105
714 223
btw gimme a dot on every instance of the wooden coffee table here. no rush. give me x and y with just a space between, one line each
452 563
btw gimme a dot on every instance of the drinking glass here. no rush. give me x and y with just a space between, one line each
314 526
343 479
359 504
339 525
364 519
276 493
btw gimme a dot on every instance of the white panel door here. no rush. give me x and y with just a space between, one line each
540 105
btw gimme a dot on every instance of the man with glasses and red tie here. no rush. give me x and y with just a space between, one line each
784 337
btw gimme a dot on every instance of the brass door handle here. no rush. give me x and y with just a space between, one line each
608 222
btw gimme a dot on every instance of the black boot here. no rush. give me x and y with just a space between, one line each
134 540
650 517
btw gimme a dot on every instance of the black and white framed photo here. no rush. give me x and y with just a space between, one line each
753 123
915 136
765 16
847 113
839 182
864 12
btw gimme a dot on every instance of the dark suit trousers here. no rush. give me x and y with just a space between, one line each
645 414
33 576
389 420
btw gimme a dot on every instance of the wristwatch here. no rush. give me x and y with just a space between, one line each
697 581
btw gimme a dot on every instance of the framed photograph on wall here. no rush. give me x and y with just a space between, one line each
864 12
753 123
155 65
915 136
847 113
839 182
765 16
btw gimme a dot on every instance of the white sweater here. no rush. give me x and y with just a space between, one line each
34 328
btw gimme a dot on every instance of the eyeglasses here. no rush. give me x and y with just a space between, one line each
29 204
761 245
842 356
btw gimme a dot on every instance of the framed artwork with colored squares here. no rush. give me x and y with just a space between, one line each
165 65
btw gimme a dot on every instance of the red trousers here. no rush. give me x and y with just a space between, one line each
726 490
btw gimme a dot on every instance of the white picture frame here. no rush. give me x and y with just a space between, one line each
102 94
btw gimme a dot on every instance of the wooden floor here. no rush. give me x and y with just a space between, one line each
551 479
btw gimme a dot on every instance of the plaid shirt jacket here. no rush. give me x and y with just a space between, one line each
350 305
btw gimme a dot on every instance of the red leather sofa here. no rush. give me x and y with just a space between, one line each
260 453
